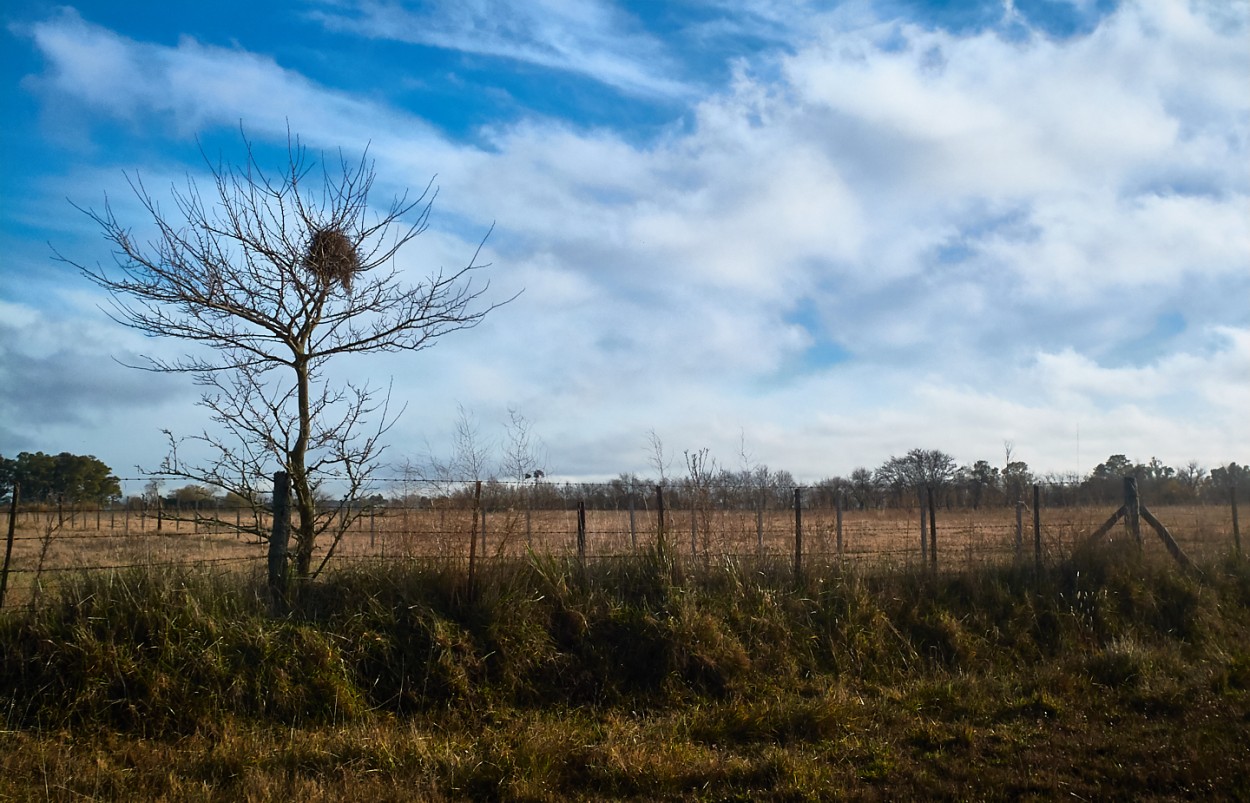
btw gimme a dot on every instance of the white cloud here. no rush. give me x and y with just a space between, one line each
586 37
979 221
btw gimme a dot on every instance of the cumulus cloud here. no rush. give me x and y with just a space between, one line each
981 229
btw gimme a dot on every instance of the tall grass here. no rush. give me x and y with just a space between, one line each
636 677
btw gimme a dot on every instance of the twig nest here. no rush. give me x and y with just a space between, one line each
332 258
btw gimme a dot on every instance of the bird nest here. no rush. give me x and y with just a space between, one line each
332 258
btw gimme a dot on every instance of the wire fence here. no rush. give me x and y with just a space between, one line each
464 522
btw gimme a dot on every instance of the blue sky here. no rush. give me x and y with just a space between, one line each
827 232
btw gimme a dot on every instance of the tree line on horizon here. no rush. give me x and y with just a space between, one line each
898 482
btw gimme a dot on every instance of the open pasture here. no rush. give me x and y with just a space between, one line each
49 543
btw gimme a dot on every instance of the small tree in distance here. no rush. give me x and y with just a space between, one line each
272 276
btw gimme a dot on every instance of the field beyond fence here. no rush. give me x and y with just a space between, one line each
50 541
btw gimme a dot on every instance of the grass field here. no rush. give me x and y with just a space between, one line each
966 538
1112 674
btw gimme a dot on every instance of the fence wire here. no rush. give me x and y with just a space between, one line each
595 522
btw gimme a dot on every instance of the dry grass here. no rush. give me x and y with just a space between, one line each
1109 676
966 538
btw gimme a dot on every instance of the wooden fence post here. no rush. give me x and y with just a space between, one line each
1132 509
1019 529
477 503
798 535
8 541
633 528
924 529
838 503
659 507
932 530
694 529
581 531
1037 528
281 534
759 524
1232 498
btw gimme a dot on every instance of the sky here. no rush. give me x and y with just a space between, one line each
806 235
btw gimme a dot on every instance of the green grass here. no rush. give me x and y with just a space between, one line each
1109 676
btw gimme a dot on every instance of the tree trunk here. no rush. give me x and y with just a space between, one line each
306 535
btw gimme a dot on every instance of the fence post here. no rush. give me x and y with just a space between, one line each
924 529
633 529
759 524
477 502
798 535
581 531
1132 508
659 506
694 530
279 538
1037 527
932 530
838 503
8 542
1019 529
1232 498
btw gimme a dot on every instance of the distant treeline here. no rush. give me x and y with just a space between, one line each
898 482
65 477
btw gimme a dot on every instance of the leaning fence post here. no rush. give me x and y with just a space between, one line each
278 540
798 535
8 542
1232 497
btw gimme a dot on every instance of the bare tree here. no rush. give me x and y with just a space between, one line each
269 277
656 457
524 453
